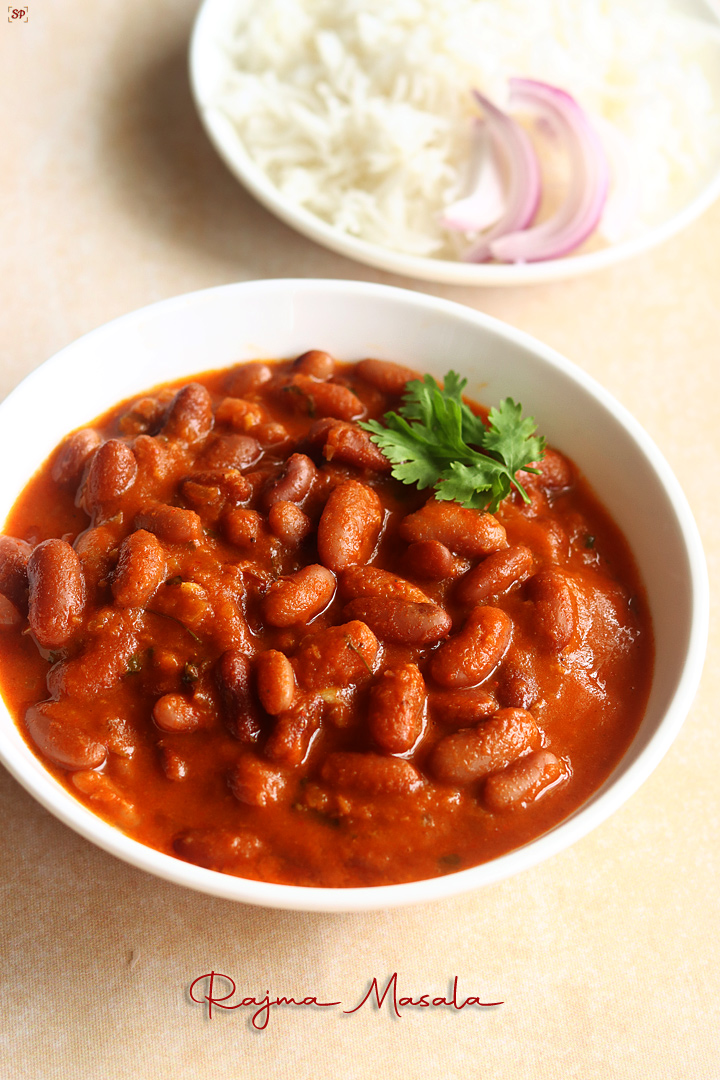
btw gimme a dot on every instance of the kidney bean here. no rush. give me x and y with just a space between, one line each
171 524
522 781
202 489
185 601
298 597
256 783
56 600
349 526
154 458
336 656
462 530
339 706
370 774
271 435
100 789
555 610
217 849
317 364
461 708
247 378
329 477
349 444
73 455
290 739
288 523
471 656
55 728
228 626
95 548
495 575
363 581
14 555
145 414
239 414
231 452
208 500
246 577
190 415
517 680
173 765
374 402
469 755
431 560
120 737
397 707
545 536
555 473
293 483
231 482
385 375
401 621
314 398
317 433
102 664
10 617
257 478
140 569
176 713
243 527
113 471
233 675
275 681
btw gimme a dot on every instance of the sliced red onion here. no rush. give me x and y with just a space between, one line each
581 211
514 147
486 202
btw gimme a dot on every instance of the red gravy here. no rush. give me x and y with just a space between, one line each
230 633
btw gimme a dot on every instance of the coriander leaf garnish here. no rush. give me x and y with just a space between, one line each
478 486
435 440
509 436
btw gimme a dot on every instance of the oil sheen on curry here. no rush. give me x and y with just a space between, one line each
231 633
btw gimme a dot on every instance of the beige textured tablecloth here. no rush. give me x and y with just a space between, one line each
607 956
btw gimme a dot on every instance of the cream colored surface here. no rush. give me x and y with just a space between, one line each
607 957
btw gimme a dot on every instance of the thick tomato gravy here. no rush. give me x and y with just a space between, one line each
230 633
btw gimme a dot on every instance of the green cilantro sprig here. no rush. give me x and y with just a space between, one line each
435 440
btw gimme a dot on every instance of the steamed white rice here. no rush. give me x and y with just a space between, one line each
360 111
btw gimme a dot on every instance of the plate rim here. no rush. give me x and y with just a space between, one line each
231 149
29 772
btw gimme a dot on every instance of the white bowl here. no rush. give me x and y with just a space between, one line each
283 318
209 64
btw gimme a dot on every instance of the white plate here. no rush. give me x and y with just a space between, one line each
209 65
223 326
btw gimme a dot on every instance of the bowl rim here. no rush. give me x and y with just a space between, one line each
231 150
30 773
